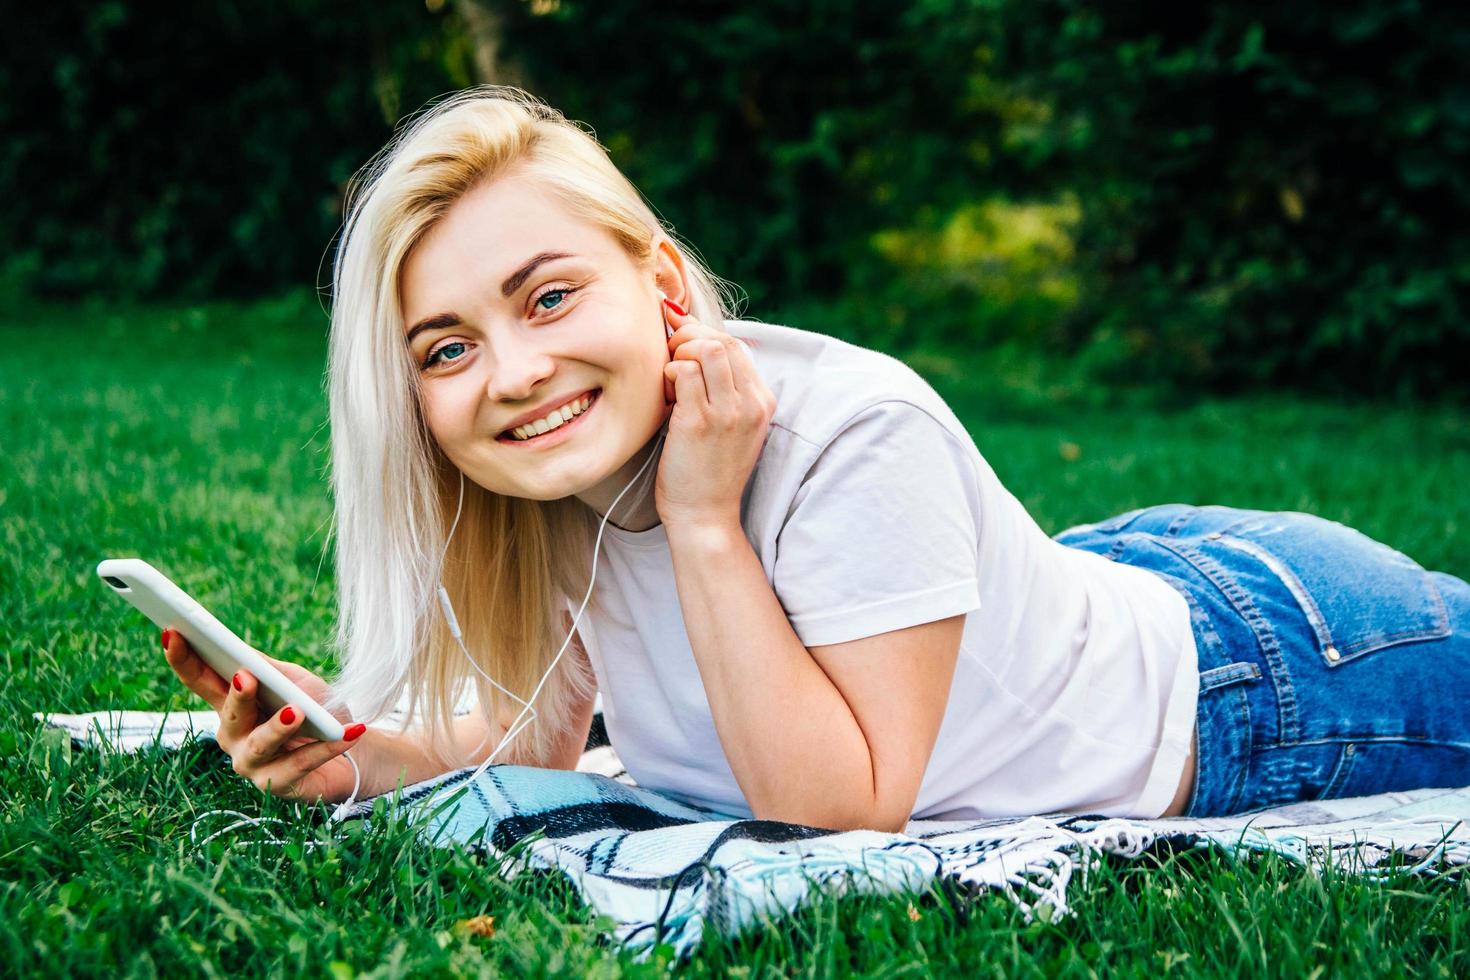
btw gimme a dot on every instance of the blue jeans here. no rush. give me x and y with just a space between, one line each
1330 664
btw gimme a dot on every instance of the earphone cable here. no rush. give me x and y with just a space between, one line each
515 728
521 722
518 725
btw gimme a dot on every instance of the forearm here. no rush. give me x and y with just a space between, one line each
394 756
792 742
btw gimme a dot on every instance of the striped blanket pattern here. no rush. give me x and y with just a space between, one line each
661 869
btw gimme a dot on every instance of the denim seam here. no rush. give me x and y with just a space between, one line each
1344 769
1227 674
1318 622
1242 771
1286 709
1240 704
1439 631
1382 739
1118 522
1184 516
1293 585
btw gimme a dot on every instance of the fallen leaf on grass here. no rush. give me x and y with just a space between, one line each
480 925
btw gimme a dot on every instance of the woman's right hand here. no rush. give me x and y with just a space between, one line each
264 748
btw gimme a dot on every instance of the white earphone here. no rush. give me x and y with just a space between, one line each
518 725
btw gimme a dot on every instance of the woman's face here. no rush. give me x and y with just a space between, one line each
499 332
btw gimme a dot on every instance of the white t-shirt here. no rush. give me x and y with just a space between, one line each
872 510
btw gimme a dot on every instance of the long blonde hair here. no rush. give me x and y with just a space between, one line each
514 562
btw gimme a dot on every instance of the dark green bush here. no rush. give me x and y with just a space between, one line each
1270 193
200 148
1219 195
778 137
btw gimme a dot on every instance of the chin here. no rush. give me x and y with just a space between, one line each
558 486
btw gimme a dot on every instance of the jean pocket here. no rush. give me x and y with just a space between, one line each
1359 595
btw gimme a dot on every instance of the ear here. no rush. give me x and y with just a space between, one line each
668 273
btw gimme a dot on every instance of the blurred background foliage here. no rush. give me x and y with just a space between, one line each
1200 196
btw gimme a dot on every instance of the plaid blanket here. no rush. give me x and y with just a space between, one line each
661 869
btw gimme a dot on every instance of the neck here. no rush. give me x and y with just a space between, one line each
637 510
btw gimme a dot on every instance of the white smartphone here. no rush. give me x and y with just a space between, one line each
170 607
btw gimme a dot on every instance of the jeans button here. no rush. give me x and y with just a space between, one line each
1349 749
1213 536
1332 654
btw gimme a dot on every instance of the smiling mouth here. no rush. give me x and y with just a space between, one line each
551 435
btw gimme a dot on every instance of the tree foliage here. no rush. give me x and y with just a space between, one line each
198 149
781 137
1270 193
1223 194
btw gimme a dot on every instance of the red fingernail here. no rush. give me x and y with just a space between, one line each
675 307
236 681
164 637
287 715
354 731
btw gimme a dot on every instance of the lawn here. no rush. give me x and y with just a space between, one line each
195 437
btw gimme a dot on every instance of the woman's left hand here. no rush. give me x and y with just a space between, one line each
722 412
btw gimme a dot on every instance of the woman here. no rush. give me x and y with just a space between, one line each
829 610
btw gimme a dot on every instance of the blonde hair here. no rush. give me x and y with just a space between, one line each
513 562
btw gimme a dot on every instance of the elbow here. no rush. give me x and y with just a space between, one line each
863 806
835 821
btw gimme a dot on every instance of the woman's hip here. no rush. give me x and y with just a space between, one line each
1330 664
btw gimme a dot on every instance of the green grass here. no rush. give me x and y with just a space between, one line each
195 438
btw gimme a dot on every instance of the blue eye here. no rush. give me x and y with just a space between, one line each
553 292
563 293
433 357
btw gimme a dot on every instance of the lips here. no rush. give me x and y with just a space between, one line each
508 436
541 413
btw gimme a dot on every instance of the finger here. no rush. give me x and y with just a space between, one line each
686 327
310 684
197 675
282 665
689 389
269 738
671 313
742 364
692 330
719 379
295 766
240 712
674 314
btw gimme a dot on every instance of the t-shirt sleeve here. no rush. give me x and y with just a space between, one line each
883 532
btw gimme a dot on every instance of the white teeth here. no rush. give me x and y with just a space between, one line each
554 420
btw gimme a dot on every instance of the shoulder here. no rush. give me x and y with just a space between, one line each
826 387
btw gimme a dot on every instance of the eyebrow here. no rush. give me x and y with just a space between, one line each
513 282
518 278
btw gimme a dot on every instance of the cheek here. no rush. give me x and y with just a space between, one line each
643 376
447 411
634 364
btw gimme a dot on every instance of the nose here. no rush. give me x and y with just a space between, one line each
518 372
